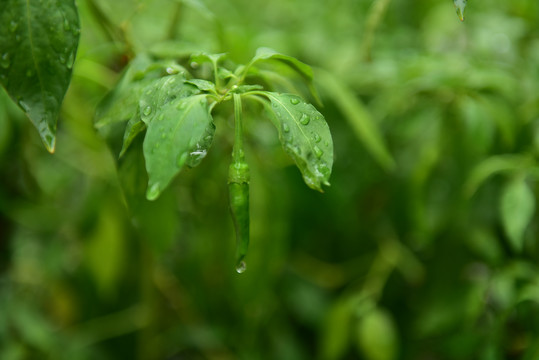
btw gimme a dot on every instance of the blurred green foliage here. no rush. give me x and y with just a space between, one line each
424 247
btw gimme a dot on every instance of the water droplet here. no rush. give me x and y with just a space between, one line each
70 60
326 143
324 169
182 159
208 138
62 58
66 25
5 61
24 106
286 128
13 25
194 65
241 267
149 92
305 119
318 152
171 71
196 157
147 110
153 191
294 101
316 137
181 106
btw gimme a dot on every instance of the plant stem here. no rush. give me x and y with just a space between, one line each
378 10
238 154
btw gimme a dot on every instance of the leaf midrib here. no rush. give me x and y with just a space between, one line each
296 122
34 60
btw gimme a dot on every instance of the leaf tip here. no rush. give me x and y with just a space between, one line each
49 141
153 191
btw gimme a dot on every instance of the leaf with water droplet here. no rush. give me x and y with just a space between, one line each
141 76
31 70
460 5
163 91
202 85
190 128
313 160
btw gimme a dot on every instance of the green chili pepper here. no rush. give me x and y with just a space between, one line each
238 189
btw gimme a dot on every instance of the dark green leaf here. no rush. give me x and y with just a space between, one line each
517 207
121 103
305 136
134 127
37 52
179 133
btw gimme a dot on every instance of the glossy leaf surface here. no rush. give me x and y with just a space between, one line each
305 136
37 52
179 133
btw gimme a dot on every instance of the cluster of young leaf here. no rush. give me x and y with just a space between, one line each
161 100
37 52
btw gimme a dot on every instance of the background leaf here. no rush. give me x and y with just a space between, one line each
517 206
377 335
37 52
304 135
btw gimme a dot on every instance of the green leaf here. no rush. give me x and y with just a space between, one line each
460 5
121 103
179 132
358 118
517 206
203 85
270 54
335 338
134 127
304 70
494 165
305 136
377 335
203 57
37 52
162 91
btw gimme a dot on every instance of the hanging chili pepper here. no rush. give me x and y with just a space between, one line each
238 189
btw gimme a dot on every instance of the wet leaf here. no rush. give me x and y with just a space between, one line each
305 136
121 103
37 52
179 133
517 207
460 5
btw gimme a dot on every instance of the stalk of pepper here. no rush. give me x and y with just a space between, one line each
238 188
